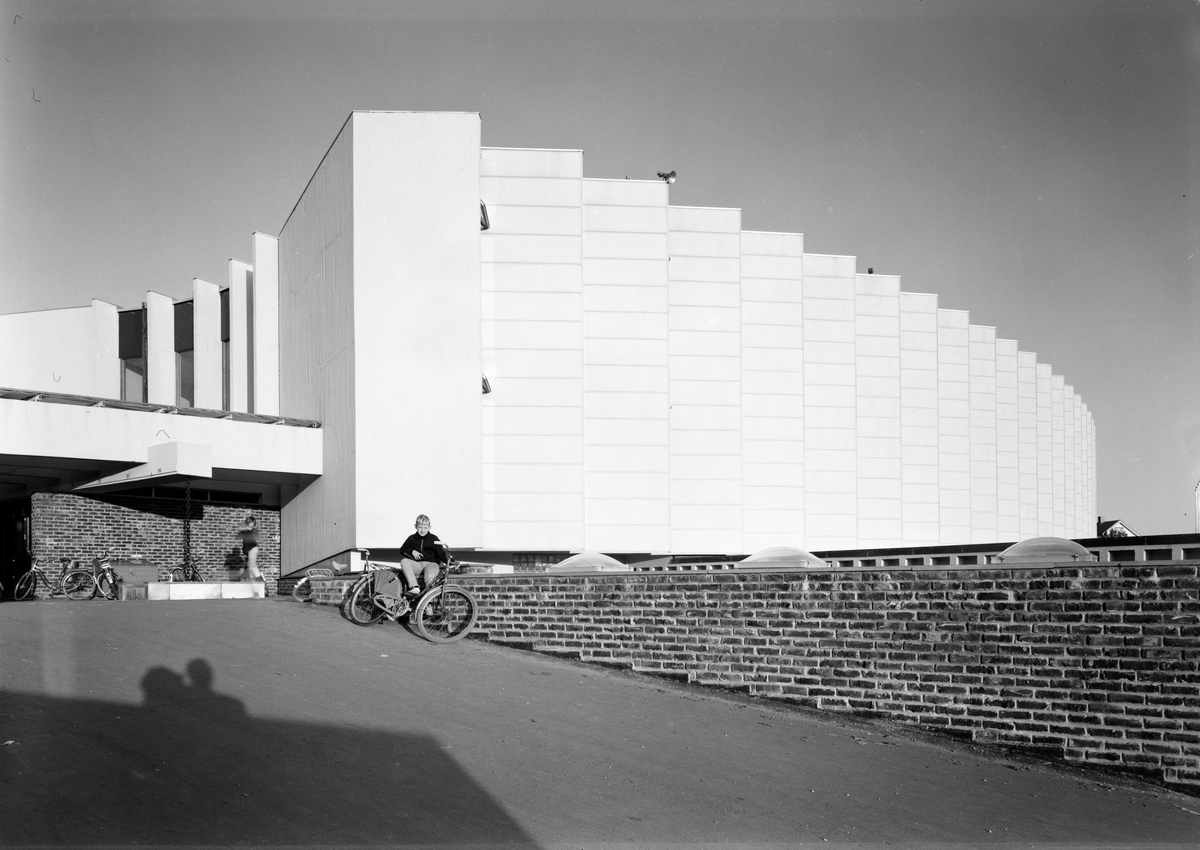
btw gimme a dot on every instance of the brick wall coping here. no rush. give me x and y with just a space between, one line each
684 570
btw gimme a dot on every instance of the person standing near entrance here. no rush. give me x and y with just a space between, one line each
248 531
422 551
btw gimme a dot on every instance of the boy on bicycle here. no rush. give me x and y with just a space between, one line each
422 551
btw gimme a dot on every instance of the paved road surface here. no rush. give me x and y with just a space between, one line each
275 723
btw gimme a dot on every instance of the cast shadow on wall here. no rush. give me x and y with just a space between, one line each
189 767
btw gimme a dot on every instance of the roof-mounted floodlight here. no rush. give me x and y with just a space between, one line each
487 387
484 224
667 176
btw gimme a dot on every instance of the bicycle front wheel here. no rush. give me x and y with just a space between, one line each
446 614
109 586
25 586
360 608
79 584
179 574
302 591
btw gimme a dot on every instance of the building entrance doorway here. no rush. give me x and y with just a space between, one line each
14 542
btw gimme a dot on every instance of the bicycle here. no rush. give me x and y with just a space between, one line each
73 582
108 583
185 571
302 591
441 613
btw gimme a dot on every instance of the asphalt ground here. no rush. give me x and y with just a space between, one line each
273 723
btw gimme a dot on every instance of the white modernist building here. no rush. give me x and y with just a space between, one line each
661 380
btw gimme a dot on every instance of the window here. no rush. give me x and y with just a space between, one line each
225 349
131 349
185 355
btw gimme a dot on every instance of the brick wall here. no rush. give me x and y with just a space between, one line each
1097 665
66 525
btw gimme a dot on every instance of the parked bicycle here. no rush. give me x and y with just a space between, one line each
302 591
441 613
108 582
185 571
73 582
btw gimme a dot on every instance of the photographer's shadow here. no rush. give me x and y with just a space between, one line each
191 766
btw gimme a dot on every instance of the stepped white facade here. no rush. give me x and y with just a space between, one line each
661 379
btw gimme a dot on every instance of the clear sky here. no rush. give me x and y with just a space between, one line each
1035 163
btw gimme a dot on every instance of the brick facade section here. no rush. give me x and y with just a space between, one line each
1097 666
66 525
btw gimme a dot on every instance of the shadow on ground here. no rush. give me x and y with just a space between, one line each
189 766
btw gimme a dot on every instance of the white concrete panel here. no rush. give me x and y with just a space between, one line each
983 441
67 351
625 271
598 325
780 291
637 406
782 341
536 507
609 378
546 421
712 393
530 363
515 248
699 293
241 277
781 454
534 449
828 266
704 269
537 392
624 352
762 313
529 277
624 246
618 485
773 428
317 351
607 298
529 191
206 336
532 478
532 162
160 349
705 244
705 318
416 263
610 458
610 192
265 320
626 432
536 306
625 219
532 334
705 344
506 219
1045 450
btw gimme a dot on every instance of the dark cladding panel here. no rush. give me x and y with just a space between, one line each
183 326
131 333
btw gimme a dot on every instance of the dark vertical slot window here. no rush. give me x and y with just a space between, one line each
131 349
225 349
185 356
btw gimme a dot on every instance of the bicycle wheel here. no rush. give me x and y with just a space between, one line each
446 614
178 574
302 591
79 584
360 609
109 585
25 586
